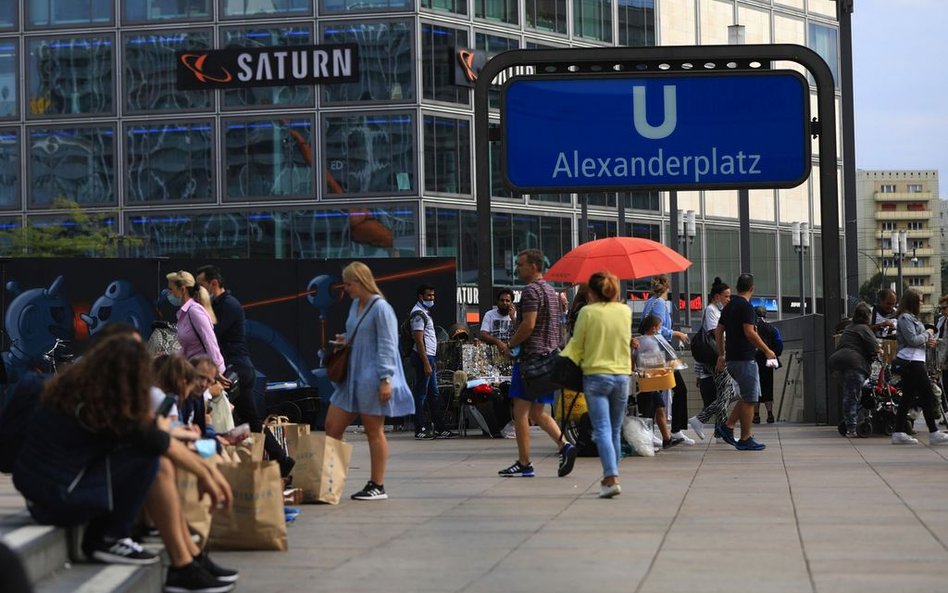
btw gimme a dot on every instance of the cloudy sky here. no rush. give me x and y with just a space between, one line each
900 50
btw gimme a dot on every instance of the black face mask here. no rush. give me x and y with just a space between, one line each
503 310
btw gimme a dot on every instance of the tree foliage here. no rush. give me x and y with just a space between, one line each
73 233
869 288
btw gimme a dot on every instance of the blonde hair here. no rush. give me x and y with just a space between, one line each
660 284
183 279
359 272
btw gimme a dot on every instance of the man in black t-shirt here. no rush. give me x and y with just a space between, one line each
739 324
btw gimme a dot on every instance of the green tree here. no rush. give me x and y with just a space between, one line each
79 233
869 288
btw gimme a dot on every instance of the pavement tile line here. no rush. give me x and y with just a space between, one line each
888 485
796 516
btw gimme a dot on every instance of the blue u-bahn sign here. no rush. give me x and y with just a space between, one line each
624 132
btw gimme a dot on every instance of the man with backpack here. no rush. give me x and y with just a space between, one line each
771 336
424 361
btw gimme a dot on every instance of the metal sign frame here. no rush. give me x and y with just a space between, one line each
679 59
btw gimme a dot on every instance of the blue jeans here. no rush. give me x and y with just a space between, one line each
426 394
607 397
852 393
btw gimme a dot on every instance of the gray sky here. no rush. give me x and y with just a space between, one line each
900 50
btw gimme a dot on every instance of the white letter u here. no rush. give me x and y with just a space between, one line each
641 121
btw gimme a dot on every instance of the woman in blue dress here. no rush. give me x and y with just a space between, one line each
375 384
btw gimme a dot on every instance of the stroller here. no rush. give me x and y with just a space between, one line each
879 403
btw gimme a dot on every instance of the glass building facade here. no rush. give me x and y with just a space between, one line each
90 112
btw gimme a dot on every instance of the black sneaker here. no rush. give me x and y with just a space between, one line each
567 459
525 471
372 491
424 435
220 573
194 579
445 434
671 443
123 551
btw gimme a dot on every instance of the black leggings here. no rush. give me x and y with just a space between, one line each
916 391
679 404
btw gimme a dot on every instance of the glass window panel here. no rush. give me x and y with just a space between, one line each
70 76
504 11
642 200
10 235
636 23
190 234
455 6
556 237
370 154
66 235
356 232
76 164
824 41
763 256
437 63
347 6
8 14
592 19
555 198
265 159
262 8
9 169
297 94
447 155
74 12
151 72
385 61
453 233
497 187
600 199
546 15
8 77
493 45
170 162
789 267
723 245
600 229
137 11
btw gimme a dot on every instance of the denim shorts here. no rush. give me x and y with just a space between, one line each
744 373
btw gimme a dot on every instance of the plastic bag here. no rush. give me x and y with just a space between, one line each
637 434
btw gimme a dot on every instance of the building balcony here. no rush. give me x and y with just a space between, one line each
905 215
912 234
909 270
923 196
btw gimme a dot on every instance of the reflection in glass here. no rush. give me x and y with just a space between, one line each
355 232
73 12
497 187
151 72
455 6
546 15
453 233
268 159
166 10
8 234
504 11
514 232
75 164
823 40
339 6
492 45
8 14
438 62
190 234
592 19
9 169
298 94
170 162
370 154
238 8
8 77
447 155
385 62
636 23
70 76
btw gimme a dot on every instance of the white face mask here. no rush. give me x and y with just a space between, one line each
719 305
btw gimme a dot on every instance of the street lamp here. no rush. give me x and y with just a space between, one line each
801 244
879 266
687 230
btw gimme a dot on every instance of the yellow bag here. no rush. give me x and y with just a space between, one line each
256 520
570 405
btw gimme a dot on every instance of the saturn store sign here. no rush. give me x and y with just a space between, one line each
271 66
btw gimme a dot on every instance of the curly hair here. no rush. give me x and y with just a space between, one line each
107 390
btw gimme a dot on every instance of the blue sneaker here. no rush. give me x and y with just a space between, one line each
727 434
568 458
749 445
524 471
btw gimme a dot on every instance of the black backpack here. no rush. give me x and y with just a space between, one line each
406 338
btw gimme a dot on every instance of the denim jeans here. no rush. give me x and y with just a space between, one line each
745 374
852 393
606 398
426 394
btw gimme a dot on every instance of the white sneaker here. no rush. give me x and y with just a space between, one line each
656 441
938 438
900 438
681 436
696 426
609 491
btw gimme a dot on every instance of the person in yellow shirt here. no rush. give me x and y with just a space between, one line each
601 346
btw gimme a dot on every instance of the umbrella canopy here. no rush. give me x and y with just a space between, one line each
626 257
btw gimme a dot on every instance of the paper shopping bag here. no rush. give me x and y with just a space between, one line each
293 433
322 464
196 509
256 520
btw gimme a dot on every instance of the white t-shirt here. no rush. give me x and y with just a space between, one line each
710 319
498 325
424 323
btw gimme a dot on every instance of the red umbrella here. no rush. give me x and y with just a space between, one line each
626 257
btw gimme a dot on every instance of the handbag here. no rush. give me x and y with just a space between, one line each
337 361
163 338
704 347
536 372
567 373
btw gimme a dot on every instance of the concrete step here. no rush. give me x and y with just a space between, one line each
102 578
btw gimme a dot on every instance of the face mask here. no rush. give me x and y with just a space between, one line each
503 310
720 306
174 300
427 304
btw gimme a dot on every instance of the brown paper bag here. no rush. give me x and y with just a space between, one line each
196 509
322 464
293 432
256 521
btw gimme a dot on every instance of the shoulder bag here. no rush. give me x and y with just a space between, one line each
536 372
337 361
704 347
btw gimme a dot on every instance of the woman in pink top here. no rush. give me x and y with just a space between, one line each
195 317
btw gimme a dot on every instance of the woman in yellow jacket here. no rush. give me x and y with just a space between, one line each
601 347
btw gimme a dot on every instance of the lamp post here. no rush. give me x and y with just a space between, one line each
801 244
899 251
879 266
687 230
